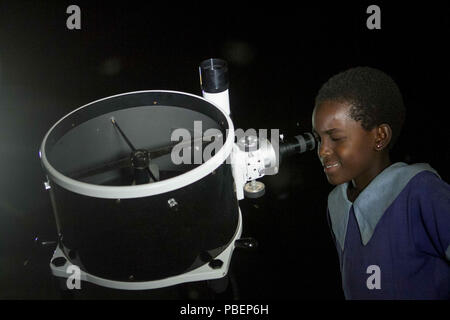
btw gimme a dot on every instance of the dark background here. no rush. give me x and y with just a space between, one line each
279 55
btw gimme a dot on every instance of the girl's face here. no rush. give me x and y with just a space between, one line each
346 150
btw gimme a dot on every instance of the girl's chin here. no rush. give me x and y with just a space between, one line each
336 180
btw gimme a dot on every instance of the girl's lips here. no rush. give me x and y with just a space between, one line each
328 168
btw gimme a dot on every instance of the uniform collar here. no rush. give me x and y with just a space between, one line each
372 202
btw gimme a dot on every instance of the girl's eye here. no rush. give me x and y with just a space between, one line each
336 139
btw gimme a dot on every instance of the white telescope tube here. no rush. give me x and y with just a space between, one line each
220 99
214 82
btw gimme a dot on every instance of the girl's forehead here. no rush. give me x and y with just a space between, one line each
331 114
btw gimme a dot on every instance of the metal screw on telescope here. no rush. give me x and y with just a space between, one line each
254 189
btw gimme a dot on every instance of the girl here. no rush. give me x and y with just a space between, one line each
390 221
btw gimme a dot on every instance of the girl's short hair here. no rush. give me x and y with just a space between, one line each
374 97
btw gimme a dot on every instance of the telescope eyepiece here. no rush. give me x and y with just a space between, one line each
298 144
214 75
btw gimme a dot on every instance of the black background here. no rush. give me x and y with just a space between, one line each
279 54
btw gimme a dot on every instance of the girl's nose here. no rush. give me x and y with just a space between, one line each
323 150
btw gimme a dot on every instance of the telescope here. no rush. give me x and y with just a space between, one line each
145 186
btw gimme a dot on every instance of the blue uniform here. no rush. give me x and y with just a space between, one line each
393 241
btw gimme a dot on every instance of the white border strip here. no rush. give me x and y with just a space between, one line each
126 192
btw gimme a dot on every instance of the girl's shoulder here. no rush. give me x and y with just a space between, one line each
429 184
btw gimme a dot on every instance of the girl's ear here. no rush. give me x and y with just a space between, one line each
383 135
